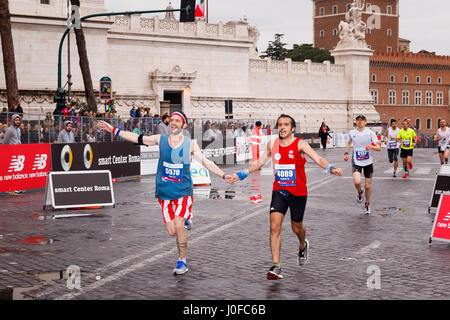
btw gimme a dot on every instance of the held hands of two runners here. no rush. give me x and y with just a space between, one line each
231 178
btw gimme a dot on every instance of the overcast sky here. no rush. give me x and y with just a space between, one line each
425 23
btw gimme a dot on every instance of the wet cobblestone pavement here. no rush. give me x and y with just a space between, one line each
125 252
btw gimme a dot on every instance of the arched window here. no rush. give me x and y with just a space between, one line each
429 125
438 122
418 124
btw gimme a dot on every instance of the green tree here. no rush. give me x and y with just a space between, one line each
276 49
307 51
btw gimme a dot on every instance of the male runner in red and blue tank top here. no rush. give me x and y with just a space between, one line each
289 187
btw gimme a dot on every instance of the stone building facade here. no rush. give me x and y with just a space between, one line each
152 58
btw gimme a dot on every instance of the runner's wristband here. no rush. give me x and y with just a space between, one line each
243 174
330 166
116 131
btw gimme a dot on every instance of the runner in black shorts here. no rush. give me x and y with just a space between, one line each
282 200
289 191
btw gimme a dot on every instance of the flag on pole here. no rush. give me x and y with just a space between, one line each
200 8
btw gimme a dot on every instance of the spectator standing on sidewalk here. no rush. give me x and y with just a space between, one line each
66 135
324 133
12 136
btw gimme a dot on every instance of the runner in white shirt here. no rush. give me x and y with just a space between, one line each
392 145
443 138
362 160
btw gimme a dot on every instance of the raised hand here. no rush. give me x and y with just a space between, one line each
102 125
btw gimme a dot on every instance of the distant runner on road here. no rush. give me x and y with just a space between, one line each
392 145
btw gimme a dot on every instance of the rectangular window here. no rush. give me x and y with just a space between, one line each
368 8
439 80
439 98
389 49
405 79
45 1
418 97
322 11
389 32
335 32
392 78
417 79
374 93
389 9
428 79
429 97
405 96
392 97
322 33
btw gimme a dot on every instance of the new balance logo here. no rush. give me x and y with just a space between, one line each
16 164
40 162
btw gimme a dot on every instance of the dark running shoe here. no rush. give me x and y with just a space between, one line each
359 197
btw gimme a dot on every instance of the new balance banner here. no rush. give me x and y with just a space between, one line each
122 159
441 223
24 166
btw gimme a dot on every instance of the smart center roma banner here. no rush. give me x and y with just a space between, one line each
121 158
24 166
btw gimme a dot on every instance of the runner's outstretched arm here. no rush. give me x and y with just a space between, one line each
129 136
254 167
304 146
208 164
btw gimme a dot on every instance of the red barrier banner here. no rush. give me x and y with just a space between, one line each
441 224
24 166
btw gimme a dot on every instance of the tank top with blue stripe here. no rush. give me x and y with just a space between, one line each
173 177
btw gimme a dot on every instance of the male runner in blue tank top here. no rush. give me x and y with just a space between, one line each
174 188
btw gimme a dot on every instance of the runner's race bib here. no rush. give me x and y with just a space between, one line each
285 175
443 145
362 154
172 172
392 145
406 143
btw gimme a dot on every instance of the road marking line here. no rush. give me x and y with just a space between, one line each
143 263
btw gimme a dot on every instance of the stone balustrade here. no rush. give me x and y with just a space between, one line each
156 25
288 66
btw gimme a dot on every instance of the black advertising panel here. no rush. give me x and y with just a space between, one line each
121 158
442 185
79 188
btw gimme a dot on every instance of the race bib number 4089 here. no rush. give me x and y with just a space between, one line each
285 174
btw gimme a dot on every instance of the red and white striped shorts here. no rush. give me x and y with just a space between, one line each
181 207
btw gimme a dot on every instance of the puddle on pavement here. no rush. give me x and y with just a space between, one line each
47 278
393 211
36 240
215 194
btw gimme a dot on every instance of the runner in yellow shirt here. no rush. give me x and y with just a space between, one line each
407 138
